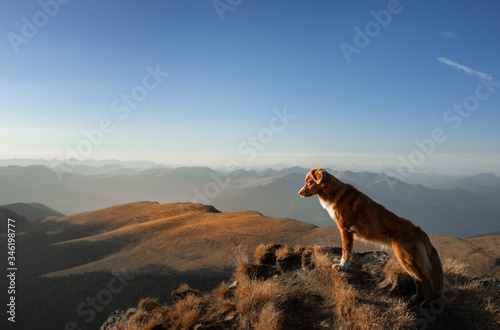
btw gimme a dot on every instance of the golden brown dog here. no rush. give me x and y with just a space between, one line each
355 213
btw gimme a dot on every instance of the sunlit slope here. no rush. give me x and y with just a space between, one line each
187 236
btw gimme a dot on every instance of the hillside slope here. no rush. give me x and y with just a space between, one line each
183 236
188 236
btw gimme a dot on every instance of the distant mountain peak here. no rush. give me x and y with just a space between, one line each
32 211
487 179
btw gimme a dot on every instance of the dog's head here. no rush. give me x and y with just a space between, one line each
314 182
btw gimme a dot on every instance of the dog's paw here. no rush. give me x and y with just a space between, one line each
342 265
338 267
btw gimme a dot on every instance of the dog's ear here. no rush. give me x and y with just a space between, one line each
318 175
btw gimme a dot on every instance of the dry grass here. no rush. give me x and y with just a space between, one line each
288 259
270 318
359 308
183 291
185 313
266 254
455 270
344 298
319 297
253 297
322 259
240 254
148 304
476 305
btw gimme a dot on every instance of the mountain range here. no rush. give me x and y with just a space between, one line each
462 207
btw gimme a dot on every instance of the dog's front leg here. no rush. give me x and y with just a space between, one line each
347 242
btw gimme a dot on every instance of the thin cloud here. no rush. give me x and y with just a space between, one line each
468 70
449 34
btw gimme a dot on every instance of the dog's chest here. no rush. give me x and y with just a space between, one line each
328 207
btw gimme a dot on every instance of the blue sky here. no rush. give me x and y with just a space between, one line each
225 69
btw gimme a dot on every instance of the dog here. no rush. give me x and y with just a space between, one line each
357 214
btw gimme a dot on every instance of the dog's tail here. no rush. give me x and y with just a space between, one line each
437 279
436 269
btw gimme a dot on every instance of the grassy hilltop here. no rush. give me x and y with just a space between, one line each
295 288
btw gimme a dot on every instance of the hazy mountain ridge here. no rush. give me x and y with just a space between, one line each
488 234
271 192
32 211
6 214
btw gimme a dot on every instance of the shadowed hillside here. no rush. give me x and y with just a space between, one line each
295 288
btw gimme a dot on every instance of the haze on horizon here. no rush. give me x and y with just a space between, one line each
393 86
